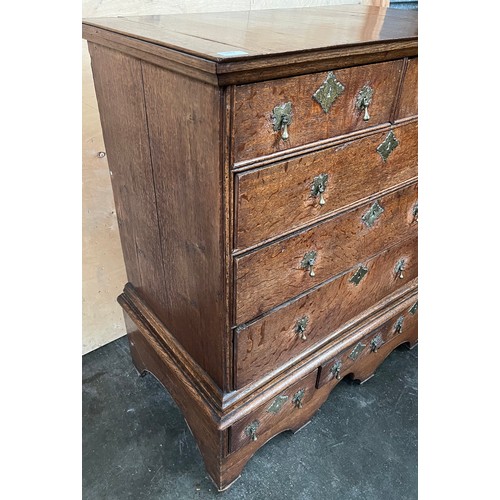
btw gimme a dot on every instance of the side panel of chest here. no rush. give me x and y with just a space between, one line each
163 132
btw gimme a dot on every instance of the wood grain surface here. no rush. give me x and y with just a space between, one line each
254 103
273 274
408 101
277 199
218 35
184 119
123 117
272 341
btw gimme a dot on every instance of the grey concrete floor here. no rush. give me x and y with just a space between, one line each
362 443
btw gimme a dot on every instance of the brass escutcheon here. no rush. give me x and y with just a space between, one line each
373 214
328 92
388 146
357 351
277 404
358 275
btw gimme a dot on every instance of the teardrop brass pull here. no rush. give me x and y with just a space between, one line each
319 187
398 327
251 430
376 343
300 327
415 212
282 118
335 370
308 262
400 267
298 397
363 100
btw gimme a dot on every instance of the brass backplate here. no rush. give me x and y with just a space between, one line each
364 97
309 259
319 184
280 112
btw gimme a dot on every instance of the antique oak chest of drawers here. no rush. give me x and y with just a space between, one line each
264 169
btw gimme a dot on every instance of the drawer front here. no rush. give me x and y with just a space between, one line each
279 413
313 107
362 358
408 102
279 272
279 337
279 198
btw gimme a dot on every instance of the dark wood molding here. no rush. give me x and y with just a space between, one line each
220 403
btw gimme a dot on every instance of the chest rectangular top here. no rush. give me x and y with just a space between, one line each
232 43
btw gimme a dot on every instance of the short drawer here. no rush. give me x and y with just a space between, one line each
276 199
281 271
273 116
284 411
362 358
275 339
408 101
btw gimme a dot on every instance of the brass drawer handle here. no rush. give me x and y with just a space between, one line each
251 430
308 262
376 343
335 370
398 327
400 267
298 397
363 100
319 187
282 117
415 212
300 327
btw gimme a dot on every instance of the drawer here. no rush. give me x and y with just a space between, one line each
279 337
285 411
316 106
362 358
280 271
276 199
408 101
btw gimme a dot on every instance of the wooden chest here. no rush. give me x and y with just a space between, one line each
264 169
